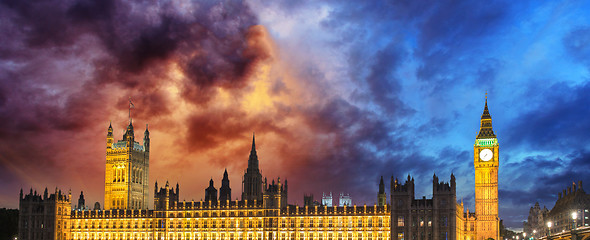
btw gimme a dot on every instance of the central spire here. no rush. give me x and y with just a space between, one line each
253 159
253 144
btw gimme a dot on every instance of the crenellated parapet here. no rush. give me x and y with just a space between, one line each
44 216
432 218
275 194
408 186
443 187
166 197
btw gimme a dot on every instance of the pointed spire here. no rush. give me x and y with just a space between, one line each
253 143
485 130
486 112
110 130
253 159
381 186
225 174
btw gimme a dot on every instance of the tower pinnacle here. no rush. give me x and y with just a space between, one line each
253 143
485 130
253 159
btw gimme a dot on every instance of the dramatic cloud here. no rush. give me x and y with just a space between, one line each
338 93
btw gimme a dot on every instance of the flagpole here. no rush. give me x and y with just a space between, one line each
130 106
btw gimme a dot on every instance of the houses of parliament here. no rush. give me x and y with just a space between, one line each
263 211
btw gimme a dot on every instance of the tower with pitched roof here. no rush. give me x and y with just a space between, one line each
126 173
486 164
252 181
224 190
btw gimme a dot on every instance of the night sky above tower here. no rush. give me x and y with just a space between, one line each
338 94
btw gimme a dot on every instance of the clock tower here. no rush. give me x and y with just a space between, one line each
485 161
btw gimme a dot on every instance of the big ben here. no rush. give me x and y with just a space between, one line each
486 163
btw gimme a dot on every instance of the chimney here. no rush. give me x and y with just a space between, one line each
574 186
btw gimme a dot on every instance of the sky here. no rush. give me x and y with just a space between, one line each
338 93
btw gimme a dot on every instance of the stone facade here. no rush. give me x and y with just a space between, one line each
535 224
126 173
44 217
570 200
413 219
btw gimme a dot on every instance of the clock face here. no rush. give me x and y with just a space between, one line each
486 154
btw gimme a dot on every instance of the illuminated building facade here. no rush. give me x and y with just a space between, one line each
484 223
327 199
344 200
536 224
414 219
572 200
236 220
263 212
126 173
466 223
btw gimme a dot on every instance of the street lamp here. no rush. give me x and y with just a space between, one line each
549 224
534 233
524 235
574 217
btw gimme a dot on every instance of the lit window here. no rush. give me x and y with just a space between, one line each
400 221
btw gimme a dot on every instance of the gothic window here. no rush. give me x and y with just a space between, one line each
400 221
123 175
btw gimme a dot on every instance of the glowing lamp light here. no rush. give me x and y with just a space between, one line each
549 224
575 215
